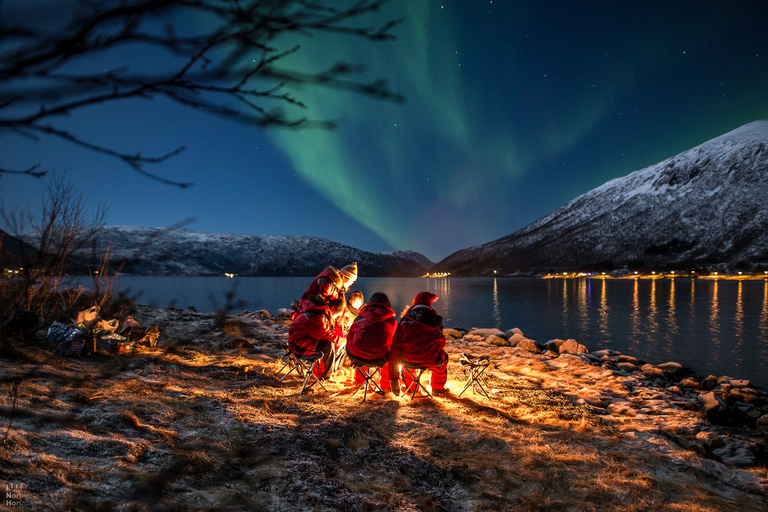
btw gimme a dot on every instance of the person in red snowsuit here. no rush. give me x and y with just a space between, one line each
327 285
370 336
312 330
419 339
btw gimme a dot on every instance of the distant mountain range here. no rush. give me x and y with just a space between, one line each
177 251
705 206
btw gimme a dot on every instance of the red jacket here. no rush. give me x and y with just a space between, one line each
311 324
418 338
371 333
323 287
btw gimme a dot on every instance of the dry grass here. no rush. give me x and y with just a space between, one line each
189 429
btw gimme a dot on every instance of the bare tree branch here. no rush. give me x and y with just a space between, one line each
223 56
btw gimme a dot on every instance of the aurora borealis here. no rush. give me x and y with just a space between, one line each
513 108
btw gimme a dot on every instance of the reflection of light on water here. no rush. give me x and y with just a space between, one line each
653 309
714 321
671 313
565 313
496 311
764 313
584 289
603 313
763 323
634 319
441 286
738 319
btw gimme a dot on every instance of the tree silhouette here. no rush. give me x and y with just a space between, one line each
225 54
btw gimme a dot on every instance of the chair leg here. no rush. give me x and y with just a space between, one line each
475 378
369 380
310 372
416 384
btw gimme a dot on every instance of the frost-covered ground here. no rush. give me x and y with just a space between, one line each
202 423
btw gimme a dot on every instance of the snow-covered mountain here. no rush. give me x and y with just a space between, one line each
177 251
704 206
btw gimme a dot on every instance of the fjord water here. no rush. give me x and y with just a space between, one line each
717 327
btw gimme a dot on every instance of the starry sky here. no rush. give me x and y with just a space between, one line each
512 109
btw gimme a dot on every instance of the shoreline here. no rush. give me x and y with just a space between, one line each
202 421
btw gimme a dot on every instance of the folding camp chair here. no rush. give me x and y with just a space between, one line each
291 362
308 362
416 384
360 365
473 368
339 356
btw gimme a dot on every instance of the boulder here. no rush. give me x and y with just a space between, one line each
653 372
515 339
629 359
496 341
735 454
553 345
762 422
746 395
484 333
573 347
627 367
691 383
529 346
604 352
710 382
671 367
512 332
713 407
453 333
285 313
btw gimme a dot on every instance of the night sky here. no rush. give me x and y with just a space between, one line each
513 108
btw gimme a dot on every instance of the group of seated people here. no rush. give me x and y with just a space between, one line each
368 332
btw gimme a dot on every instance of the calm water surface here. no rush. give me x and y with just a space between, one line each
717 327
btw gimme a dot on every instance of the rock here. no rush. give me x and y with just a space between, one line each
453 333
557 343
573 347
513 331
735 454
762 422
671 367
515 339
691 383
653 372
713 407
746 395
605 352
739 383
674 389
629 359
484 333
710 382
263 314
711 440
529 346
496 341
285 313
627 367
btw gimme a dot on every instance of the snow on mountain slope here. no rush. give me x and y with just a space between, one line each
166 251
706 205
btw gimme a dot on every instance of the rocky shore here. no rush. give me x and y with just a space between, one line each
202 422
719 417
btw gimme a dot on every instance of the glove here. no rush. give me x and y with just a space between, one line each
394 386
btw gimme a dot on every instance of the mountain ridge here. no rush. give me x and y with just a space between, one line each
180 251
704 206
